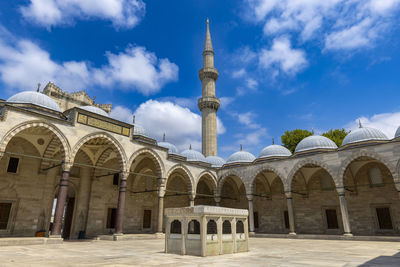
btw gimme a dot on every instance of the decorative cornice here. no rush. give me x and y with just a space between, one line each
208 102
208 73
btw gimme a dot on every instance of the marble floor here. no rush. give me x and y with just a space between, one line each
263 252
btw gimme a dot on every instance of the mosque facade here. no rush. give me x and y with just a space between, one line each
67 169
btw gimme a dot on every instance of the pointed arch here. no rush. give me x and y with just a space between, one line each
211 179
301 164
65 146
263 168
102 135
187 175
370 154
223 178
153 156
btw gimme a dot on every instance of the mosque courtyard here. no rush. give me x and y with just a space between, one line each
263 252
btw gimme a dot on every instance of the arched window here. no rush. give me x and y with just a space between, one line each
212 228
194 227
176 227
239 227
226 227
375 176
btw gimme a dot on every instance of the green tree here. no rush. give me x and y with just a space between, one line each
291 138
336 135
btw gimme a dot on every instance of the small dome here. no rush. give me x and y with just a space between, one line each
397 134
36 98
171 148
274 151
96 110
139 130
215 161
241 156
193 155
364 134
315 142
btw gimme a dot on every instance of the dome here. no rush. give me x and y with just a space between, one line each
241 156
397 134
274 151
36 98
215 161
171 148
193 155
139 130
96 110
364 134
315 142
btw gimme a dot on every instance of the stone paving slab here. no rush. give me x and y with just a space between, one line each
263 252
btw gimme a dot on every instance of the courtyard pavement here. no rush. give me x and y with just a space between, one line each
263 252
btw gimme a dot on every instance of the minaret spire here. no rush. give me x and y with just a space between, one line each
208 103
207 43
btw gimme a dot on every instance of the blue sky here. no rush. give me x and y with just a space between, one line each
283 64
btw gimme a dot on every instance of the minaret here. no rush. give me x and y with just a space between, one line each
208 103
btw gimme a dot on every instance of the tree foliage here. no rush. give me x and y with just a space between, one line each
336 135
291 138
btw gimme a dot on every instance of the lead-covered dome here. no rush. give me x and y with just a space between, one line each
96 110
364 134
215 161
315 142
193 155
241 156
139 130
274 151
171 148
36 98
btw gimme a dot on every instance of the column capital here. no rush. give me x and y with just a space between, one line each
66 166
161 191
124 175
340 190
249 197
288 194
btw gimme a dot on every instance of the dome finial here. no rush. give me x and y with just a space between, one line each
133 119
38 88
163 138
190 147
359 123
312 131
241 147
208 21
273 141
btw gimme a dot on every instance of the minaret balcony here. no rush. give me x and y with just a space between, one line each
208 73
209 102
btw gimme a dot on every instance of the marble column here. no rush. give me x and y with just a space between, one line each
61 199
289 200
121 204
191 198
344 211
251 214
161 192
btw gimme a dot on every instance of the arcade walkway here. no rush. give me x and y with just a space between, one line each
264 252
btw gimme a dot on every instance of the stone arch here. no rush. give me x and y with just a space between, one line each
188 176
65 146
265 168
106 136
212 179
301 164
223 178
364 153
153 156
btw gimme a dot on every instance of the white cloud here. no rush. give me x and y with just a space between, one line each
247 119
181 126
253 138
49 13
336 21
283 57
23 64
239 73
226 100
386 122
